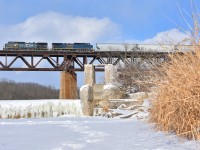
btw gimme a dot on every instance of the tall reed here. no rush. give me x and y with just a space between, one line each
177 104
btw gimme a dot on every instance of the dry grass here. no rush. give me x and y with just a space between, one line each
106 108
177 105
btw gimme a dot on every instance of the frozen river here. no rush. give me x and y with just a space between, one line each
86 133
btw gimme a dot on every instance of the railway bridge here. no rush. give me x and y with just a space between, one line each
70 62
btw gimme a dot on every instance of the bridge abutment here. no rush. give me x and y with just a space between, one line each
68 85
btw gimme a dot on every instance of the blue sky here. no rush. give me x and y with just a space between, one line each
88 21
137 19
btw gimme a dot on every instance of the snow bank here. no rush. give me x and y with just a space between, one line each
39 108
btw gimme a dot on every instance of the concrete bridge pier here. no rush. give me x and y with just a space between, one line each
86 91
68 85
93 94
89 75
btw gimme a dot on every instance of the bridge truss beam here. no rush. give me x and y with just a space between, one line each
68 61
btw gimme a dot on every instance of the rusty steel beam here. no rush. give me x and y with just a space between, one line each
48 69
137 54
69 60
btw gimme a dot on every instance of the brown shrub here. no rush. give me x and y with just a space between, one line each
29 115
177 105
18 116
106 108
43 114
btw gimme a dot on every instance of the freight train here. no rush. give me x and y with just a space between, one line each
87 47
44 46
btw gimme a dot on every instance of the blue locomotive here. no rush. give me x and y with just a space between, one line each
44 46
25 46
72 46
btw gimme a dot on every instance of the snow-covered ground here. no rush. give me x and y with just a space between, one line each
64 128
86 133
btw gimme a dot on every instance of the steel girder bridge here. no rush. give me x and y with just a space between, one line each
69 61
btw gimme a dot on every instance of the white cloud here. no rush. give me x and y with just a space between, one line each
57 27
172 36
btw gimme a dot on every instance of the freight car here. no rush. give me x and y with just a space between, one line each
72 46
129 47
25 46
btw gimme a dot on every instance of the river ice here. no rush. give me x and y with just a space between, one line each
86 133
72 131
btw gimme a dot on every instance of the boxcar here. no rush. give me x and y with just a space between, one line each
58 46
72 46
13 45
82 46
25 46
42 46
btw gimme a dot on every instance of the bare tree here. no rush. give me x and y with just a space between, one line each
136 74
11 90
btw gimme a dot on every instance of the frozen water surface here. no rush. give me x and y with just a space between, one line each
86 133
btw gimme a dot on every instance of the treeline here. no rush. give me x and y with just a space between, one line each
10 90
